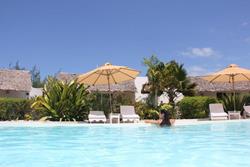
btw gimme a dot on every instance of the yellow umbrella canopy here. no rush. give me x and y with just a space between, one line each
233 73
108 74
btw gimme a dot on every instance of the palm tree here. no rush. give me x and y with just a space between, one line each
170 78
154 73
175 81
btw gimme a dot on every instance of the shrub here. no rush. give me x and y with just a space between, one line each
145 112
64 101
228 101
166 106
170 109
240 100
35 114
151 114
195 107
13 108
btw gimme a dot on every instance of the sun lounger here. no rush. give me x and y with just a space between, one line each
247 110
97 116
217 112
128 114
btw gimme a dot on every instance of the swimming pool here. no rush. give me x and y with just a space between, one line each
209 145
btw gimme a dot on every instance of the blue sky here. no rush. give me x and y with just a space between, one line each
77 35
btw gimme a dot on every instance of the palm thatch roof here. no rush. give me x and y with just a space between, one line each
18 80
128 86
66 77
206 86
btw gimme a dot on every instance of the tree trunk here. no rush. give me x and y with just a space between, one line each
156 98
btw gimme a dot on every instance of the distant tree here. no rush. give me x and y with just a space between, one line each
16 66
37 82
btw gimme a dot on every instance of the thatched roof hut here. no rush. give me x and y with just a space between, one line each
16 80
206 86
128 86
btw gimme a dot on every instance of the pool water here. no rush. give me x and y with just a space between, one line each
210 145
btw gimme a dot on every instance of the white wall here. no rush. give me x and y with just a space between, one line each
139 81
36 92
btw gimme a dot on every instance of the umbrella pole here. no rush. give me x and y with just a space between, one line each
110 104
233 93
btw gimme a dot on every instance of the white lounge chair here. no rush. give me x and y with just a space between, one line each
97 116
217 112
128 114
247 110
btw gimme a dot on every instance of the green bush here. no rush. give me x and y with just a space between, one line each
195 107
35 114
151 114
240 100
13 108
146 112
166 106
228 101
64 101
169 108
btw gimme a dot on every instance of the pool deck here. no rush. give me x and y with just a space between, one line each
178 122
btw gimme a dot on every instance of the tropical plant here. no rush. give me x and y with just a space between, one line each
154 74
176 81
64 101
228 101
170 77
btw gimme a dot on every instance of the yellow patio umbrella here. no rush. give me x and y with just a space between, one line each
106 75
233 73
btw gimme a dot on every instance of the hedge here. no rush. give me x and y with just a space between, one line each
14 109
195 107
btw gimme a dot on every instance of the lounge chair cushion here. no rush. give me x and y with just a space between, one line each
96 116
131 116
128 110
218 114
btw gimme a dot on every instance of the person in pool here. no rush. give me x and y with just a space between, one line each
164 119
